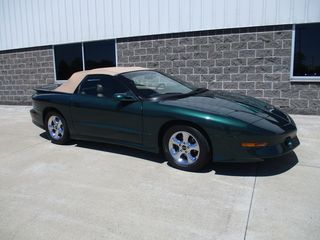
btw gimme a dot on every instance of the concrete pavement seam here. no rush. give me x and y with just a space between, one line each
251 200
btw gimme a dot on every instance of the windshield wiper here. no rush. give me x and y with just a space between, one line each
198 90
179 94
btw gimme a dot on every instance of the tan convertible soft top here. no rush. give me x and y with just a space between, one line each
73 82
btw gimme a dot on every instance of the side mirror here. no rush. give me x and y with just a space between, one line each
124 97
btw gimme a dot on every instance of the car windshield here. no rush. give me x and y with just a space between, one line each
149 84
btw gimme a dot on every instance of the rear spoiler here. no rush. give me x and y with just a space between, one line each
47 88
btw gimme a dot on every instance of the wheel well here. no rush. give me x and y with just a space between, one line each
179 122
49 109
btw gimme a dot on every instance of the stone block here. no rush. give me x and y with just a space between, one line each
208 63
263 85
223 77
228 70
215 70
247 69
223 46
247 53
238 62
229 38
271 93
255 61
272 77
193 78
200 70
264 53
255 93
200 40
133 45
309 94
172 42
283 35
246 37
146 44
255 77
215 39
185 56
215 85
193 63
238 77
158 57
179 49
298 103
265 36
230 85
255 45
263 69
223 62
230 54
200 55
186 70
158 43
246 85
208 78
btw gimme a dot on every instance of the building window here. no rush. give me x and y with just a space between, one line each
71 58
68 59
306 62
99 54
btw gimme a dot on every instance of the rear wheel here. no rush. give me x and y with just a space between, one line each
186 148
56 127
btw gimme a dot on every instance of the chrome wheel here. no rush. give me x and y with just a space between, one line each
55 127
184 148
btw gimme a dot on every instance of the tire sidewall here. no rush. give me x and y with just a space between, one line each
204 156
65 137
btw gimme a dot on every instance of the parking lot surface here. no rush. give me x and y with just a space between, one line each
98 191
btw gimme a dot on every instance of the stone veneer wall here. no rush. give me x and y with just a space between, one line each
23 70
251 61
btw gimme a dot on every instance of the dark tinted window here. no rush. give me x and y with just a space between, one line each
68 59
101 86
307 50
99 54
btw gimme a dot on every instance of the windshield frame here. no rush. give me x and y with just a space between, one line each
160 96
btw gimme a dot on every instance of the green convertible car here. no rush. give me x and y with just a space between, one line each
149 110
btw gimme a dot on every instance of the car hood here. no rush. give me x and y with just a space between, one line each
244 108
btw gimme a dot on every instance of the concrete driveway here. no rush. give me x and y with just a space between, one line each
98 191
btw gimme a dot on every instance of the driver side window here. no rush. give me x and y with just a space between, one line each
101 86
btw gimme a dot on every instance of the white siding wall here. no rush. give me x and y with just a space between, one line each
29 23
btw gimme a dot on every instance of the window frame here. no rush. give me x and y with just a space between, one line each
99 75
78 90
60 81
305 79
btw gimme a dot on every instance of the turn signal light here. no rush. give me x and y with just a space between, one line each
248 144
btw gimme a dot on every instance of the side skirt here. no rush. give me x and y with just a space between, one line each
115 142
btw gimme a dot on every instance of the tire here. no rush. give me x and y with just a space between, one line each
186 148
56 128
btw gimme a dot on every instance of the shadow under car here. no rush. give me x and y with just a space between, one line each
268 167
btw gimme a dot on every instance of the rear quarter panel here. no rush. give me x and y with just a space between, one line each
45 102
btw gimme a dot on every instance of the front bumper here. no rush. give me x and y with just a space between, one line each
36 118
230 149
276 150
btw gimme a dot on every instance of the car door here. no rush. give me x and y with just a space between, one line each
96 113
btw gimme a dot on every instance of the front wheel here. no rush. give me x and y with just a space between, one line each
186 148
56 127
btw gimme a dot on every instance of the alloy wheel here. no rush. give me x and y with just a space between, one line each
55 127
184 148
